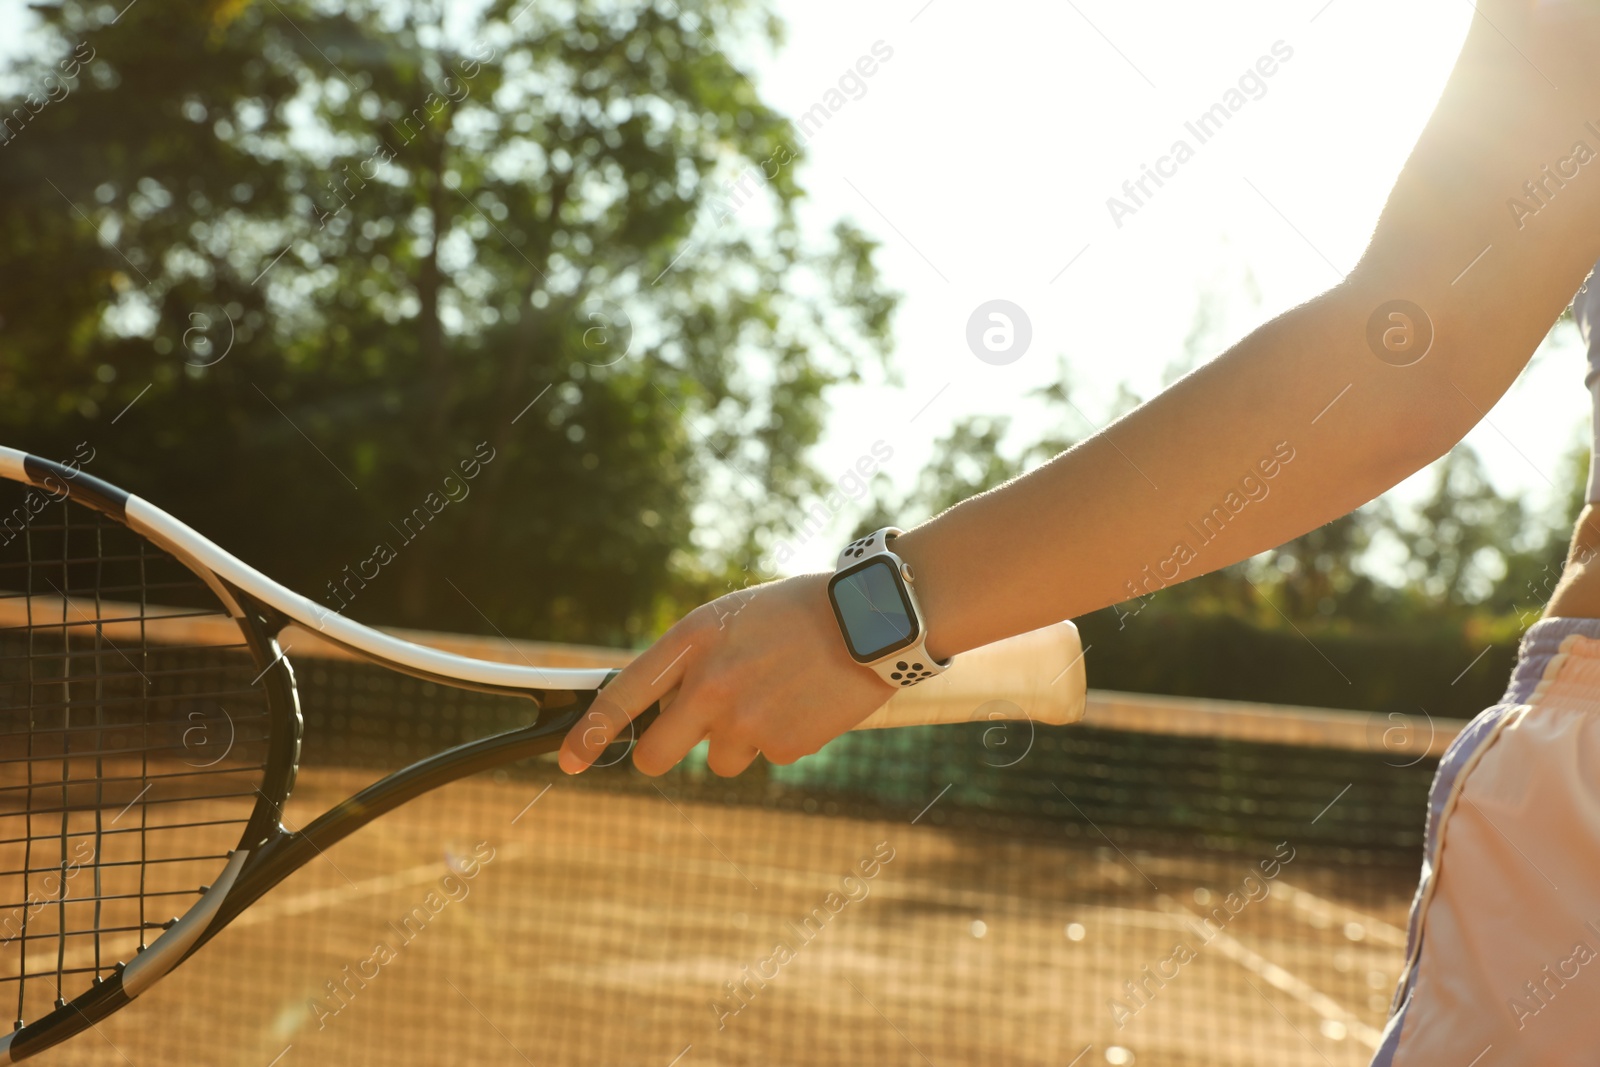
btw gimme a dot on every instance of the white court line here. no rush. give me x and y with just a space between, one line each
1309 907
1140 917
316 899
277 907
589 854
1278 977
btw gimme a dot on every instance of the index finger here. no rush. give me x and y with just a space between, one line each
649 678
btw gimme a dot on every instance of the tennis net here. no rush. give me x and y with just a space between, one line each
1170 882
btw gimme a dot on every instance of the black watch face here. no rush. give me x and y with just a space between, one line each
873 611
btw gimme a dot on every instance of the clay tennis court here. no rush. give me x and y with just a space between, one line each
942 895
606 924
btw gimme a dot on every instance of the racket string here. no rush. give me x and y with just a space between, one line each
130 620
215 694
130 587
143 777
149 862
22 983
99 762
135 830
131 750
61 906
144 757
116 896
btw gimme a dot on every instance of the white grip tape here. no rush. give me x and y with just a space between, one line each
1040 674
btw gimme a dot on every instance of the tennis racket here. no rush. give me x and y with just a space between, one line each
125 846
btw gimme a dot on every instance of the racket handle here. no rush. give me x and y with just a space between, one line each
1037 675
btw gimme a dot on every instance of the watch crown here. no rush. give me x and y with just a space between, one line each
905 572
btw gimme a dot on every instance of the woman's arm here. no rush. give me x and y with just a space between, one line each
1299 423
1112 518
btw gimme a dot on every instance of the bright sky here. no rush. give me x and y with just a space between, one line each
983 151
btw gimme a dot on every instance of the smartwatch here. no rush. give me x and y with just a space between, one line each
876 605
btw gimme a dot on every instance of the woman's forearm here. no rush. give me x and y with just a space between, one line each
1306 418
1272 439
1295 426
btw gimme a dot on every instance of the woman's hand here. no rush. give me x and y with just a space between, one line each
760 670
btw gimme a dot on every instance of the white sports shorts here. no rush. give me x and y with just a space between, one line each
1503 954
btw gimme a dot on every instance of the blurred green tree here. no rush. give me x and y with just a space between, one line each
1533 562
976 455
1458 538
290 266
1319 573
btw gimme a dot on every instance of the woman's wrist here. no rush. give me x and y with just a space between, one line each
971 593
935 586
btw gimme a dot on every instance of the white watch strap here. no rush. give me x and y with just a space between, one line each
911 664
874 544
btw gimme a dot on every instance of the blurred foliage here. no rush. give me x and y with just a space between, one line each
974 456
286 265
